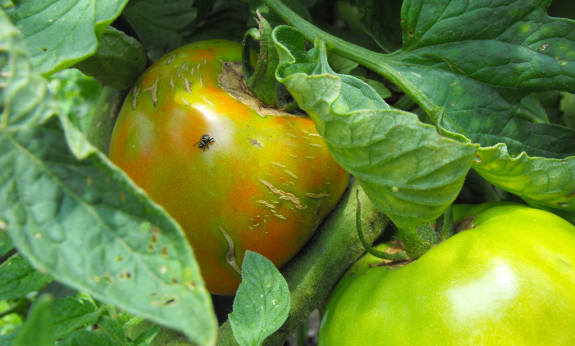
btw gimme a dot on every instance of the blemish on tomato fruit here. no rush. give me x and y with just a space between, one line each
201 80
153 92
170 59
284 195
266 204
185 66
208 101
316 196
254 142
231 253
172 85
316 145
187 85
291 174
185 102
289 134
192 71
278 164
135 93
280 216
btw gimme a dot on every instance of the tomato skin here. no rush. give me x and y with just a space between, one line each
508 281
267 182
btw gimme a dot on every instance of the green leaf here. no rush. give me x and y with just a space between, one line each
531 109
163 25
24 100
113 329
95 231
60 33
567 106
118 62
83 337
407 169
72 214
37 330
262 302
5 242
380 19
540 182
18 278
470 79
72 313
77 95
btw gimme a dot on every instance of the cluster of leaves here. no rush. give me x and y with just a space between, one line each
412 97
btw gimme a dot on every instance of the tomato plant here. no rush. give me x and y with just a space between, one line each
508 279
264 184
425 104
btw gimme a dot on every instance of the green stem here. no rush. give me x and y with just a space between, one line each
377 62
415 247
444 225
379 254
314 272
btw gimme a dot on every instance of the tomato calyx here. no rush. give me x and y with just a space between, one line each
261 80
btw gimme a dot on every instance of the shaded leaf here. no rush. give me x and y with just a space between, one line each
77 96
262 302
37 330
380 19
72 313
23 94
163 25
118 62
18 278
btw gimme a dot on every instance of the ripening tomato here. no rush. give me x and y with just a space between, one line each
235 180
510 280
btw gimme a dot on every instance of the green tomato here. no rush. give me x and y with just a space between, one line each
510 280
234 179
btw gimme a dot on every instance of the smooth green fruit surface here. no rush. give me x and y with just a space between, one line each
510 280
264 183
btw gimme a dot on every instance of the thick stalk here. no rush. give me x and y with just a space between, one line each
317 268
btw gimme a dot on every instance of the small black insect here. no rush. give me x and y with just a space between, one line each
205 141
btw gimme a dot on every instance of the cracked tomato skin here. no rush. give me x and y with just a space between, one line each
510 280
265 182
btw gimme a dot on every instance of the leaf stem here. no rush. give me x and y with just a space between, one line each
379 254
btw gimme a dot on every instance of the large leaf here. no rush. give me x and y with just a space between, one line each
72 214
407 169
118 62
59 33
88 226
23 94
470 78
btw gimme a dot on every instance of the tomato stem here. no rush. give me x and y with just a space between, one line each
379 254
